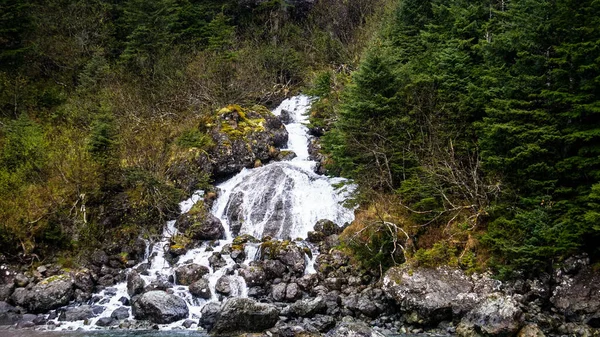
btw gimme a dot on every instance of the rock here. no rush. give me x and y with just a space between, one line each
50 293
531 330
497 315
21 280
188 323
593 321
278 292
360 303
135 284
209 314
200 289
20 297
254 275
315 237
200 224
286 117
323 323
346 329
106 321
9 315
274 269
124 300
6 290
241 136
159 284
143 268
76 314
216 261
238 254
309 307
292 292
106 281
431 295
223 286
159 307
84 280
99 258
577 295
120 313
190 273
286 155
327 227
245 314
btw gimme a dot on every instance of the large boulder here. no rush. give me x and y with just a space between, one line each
287 252
254 275
223 285
497 315
201 289
429 296
209 314
243 136
9 315
76 313
577 295
200 224
353 330
48 294
309 307
190 273
135 284
159 307
245 315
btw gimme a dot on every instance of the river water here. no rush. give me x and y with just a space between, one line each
282 200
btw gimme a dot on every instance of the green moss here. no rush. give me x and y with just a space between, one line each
55 278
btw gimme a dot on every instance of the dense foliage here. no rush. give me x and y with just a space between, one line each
98 98
483 118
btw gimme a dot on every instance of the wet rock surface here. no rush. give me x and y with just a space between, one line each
159 307
243 314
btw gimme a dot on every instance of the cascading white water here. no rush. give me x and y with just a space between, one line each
282 199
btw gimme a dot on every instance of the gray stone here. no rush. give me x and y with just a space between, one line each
223 286
190 273
48 294
497 315
6 290
200 289
216 261
106 280
120 313
9 315
309 307
200 224
106 321
159 307
292 292
209 314
278 292
253 275
274 269
245 314
577 294
84 280
135 284
76 314
431 295
188 323
347 329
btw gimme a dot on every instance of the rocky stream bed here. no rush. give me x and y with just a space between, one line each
234 266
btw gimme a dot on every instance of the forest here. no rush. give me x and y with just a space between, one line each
471 127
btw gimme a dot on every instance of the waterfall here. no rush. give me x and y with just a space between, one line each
282 200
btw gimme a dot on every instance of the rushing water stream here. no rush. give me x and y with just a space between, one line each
281 199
